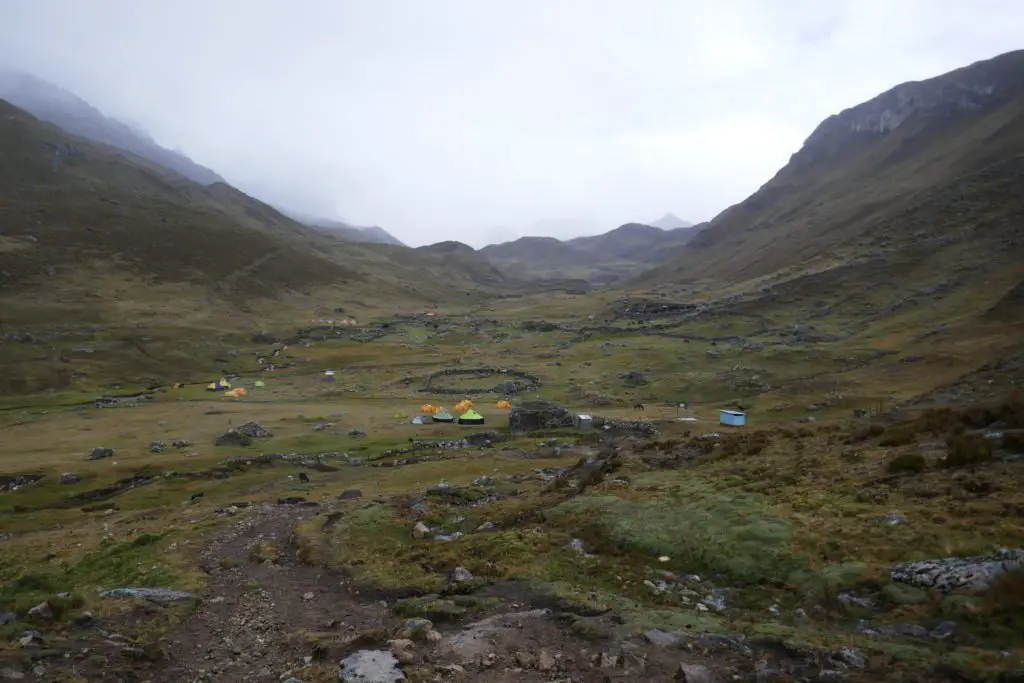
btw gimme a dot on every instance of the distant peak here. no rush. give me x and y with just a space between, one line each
670 221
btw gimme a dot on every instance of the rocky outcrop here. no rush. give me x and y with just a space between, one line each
967 89
538 415
951 573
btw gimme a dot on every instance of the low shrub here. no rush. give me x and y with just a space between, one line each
965 450
1013 442
899 435
906 462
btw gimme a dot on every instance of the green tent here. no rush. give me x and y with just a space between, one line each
259 383
471 417
443 415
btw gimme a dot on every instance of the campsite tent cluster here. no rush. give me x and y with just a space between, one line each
225 386
468 415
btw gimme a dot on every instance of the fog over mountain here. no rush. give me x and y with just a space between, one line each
432 120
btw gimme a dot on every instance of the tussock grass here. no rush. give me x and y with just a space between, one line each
701 530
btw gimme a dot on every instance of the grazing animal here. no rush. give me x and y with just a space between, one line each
639 407
303 477
196 496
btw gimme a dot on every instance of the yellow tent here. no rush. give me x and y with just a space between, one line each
428 409
235 393
503 404
464 405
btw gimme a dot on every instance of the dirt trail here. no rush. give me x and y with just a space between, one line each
253 611
258 623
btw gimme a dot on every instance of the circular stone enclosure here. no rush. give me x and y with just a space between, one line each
478 381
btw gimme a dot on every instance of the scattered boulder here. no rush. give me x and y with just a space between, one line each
253 430
349 494
695 673
99 453
943 630
420 531
850 657
416 628
893 518
538 415
976 573
478 639
157 447
370 666
160 595
31 638
461 575
181 443
70 478
41 611
662 638
356 433
233 438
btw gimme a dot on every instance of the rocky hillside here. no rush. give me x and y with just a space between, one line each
599 259
924 167
55 105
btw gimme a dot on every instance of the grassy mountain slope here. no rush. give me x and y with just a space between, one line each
895 231
599 259
108 241
64 109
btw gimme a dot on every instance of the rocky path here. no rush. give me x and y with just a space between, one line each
281 620
256 617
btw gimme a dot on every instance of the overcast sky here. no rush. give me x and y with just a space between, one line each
483 120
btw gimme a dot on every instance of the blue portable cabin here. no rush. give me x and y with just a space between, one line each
733 418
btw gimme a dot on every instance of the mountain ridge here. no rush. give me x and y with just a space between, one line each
600 259
53 104
858 170
106 230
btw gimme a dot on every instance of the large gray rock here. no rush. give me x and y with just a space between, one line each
951 573
538 415
100 453
695 673
70 478
152 594
370 666
661 638
41 611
